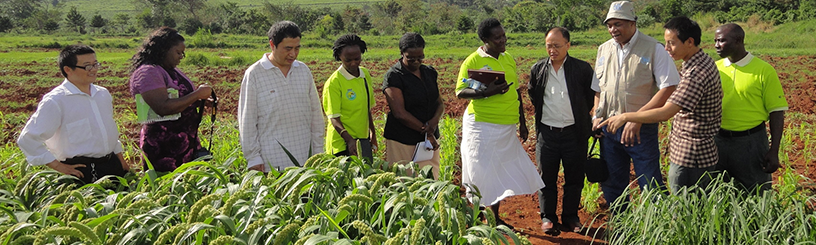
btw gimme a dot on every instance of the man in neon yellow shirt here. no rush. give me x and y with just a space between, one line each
752 94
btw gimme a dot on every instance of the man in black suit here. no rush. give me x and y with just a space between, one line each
562 89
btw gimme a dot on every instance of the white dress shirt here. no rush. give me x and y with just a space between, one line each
556 111
276 110
665 72
70 123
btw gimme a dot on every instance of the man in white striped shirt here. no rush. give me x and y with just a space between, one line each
279 109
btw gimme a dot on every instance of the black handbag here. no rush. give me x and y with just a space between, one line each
596 170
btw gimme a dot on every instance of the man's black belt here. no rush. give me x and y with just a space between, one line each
729 133
557 129
96 167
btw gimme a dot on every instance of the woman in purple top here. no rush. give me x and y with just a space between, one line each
167 144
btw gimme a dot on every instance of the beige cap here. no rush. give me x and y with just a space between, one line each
621 10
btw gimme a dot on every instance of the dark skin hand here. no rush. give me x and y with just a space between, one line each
777 122
492 89
396 102
523 132
158 101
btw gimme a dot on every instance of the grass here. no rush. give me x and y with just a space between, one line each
721 214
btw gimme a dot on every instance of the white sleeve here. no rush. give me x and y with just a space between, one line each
248 121
318 124
665 71
42 125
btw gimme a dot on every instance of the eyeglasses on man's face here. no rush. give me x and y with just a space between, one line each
96 65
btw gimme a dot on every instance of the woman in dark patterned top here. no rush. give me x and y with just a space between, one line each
167 144
413 97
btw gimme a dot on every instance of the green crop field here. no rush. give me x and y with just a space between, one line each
345 201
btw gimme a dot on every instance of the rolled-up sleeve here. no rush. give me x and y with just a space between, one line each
42 125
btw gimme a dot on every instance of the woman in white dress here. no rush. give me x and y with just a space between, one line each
493 159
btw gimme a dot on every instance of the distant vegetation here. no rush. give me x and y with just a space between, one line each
373 17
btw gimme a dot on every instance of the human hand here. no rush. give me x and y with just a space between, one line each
631 134
596 127
613 123
771 163
203 91
523 132
494 89
373 138
351 146
259 167
69 169
434 142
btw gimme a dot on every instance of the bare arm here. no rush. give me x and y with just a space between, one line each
158 101
648 116
777 123
523 131
351 144
631 132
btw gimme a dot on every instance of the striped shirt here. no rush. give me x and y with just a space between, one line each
699 94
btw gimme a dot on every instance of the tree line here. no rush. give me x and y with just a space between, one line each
385 17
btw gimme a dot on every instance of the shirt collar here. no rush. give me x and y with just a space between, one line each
348 75
484 54
74 90
631 40
743 62
267 64
695 58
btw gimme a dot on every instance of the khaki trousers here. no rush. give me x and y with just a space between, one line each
396 151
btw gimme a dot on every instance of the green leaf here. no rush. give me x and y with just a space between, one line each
289 154
334 223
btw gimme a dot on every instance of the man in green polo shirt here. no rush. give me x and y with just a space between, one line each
752 94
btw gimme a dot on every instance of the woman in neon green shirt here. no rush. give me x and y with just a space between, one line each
492 157
347 99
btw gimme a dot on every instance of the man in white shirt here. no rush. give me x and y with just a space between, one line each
562 90
279 111
73 130
635 74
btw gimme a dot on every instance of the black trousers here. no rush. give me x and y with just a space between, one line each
96 168
557 147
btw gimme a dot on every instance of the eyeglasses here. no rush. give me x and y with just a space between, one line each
554 46
96 65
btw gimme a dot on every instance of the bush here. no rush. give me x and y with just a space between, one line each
5 24
190 26
203 38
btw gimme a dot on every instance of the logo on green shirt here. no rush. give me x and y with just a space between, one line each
350 94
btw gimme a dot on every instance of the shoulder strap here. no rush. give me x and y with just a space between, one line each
368 101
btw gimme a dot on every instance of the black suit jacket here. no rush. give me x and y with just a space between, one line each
578 74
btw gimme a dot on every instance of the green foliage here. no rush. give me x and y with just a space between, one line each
720 214
75 20
5 24
190 26
340 199
464 24
97 21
